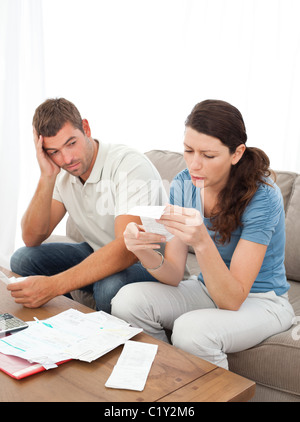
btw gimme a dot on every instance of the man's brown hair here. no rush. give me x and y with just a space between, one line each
53 114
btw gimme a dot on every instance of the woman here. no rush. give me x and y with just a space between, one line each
227 207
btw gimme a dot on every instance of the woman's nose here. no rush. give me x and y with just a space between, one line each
196 163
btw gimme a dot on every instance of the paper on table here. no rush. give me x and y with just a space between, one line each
133 366
148 216
68 335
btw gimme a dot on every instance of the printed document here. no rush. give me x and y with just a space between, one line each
68 335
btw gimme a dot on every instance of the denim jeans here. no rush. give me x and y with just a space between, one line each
53 258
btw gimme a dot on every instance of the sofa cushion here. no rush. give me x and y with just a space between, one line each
275 361
292 255
285 180
168 163
272 363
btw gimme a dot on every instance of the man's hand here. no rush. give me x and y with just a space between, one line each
47 166
33 292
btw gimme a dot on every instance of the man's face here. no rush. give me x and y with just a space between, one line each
72 150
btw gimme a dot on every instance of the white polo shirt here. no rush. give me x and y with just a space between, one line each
121 179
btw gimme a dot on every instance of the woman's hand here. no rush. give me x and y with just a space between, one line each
143 245
185 223
136 239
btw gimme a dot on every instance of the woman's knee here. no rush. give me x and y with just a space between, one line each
126 304
200 333
193 334
182 336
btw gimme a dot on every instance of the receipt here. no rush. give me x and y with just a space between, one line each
148 216
133 366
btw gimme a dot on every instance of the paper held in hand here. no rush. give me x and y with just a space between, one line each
148 215
9 280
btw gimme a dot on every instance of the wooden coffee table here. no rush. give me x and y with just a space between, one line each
175 376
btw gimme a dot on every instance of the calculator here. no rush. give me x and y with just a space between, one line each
10 323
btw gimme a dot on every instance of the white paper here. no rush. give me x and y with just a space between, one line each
8 280
133 366
68 335
148 215
154 211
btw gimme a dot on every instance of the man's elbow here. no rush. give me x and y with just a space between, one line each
31 241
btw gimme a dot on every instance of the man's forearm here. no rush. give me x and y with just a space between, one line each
108 260
36 220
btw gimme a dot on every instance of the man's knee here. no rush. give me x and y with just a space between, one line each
104 290
21 261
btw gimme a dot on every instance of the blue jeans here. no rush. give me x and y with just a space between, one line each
53 258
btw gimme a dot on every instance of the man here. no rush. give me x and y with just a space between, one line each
96 184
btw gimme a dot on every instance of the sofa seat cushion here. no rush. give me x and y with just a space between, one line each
276 361
273 363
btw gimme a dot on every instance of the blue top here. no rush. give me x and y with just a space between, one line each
263 221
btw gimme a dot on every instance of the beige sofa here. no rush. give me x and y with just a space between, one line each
274 364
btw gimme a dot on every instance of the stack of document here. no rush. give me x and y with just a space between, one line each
68 335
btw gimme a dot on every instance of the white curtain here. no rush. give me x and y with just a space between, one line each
21 87
135 69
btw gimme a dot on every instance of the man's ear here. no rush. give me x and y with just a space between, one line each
237 155
86 128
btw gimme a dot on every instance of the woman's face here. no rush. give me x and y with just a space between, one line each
208 160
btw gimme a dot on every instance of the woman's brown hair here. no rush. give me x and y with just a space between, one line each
223 121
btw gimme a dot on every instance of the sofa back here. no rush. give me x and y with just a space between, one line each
170 163
291 183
